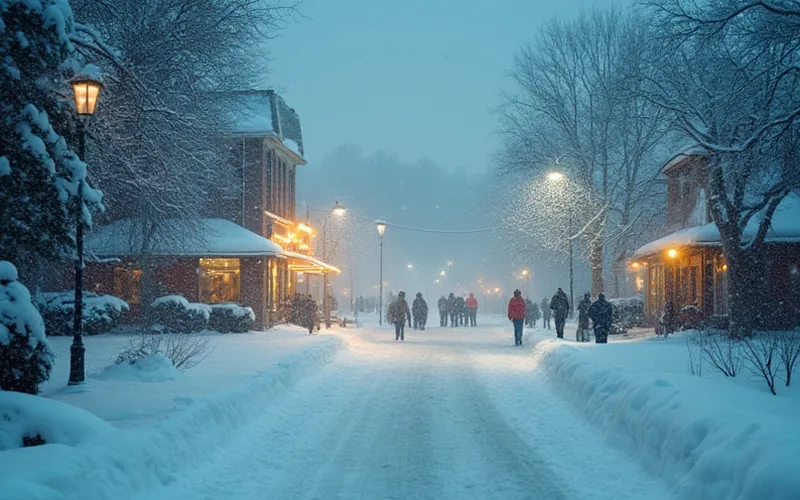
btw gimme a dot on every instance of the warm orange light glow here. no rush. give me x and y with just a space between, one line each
672 253
724 267
496 290
635 265
524 272
86 92
639 283
305 228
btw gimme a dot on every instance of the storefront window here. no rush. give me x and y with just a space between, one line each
127 284
219 280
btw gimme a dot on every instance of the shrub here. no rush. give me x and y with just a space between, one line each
101 313
25 356
628 313
176 314
691 318
717 322
231 318
184 351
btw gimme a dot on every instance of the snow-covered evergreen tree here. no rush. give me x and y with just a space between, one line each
25 355
39 173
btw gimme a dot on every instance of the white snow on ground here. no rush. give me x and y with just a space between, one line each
709 436
449 413
126 461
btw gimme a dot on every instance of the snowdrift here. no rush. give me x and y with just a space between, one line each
706 437
130 461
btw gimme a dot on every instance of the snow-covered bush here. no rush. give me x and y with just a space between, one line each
231 318
27 420
761 354
184 351
176 314
101 313
25 356
628 313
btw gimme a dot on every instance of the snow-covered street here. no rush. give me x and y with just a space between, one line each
449 413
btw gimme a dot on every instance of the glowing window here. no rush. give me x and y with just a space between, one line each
220 280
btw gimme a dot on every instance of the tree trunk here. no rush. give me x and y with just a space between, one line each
596 261
745 287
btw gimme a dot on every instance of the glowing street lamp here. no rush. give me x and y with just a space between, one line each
672 253
557 175
86 90
380 225
410 266
338 210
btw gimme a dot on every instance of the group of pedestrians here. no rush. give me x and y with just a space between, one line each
460 311
522 312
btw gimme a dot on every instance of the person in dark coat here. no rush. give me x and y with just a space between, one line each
419 309
582 333
442 303
461 312
601 313
308 313
516 314
452 309
397 314
546 312
560 306
528 313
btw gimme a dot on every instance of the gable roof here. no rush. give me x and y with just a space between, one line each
213 238
262 113
784 228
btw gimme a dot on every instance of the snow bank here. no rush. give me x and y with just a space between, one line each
27 416
153 368
127 462
707 437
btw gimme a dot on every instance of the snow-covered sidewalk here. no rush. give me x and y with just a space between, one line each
707 437
162 427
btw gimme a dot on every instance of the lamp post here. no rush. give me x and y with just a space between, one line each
527 275
86 92
339 211
556 175
380 225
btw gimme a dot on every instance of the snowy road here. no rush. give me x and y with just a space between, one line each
449 413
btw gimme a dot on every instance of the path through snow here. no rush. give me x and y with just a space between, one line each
449 413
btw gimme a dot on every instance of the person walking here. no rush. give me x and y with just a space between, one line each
442 304
582 333
546 313
397 314
419 309
601 313
308 312
461 311
516 314
472 309
560 306
536 314
528 313
451 309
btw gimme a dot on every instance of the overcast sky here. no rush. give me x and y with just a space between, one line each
415 77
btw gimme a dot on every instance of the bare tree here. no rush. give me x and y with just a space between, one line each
727 74
578 103
762 355
157 144
789 352
720 350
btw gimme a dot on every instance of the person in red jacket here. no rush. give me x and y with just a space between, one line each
472 309
516 314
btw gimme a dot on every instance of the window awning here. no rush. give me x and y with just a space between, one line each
307 264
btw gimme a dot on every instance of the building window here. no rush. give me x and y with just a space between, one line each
127 284
219 280
720 285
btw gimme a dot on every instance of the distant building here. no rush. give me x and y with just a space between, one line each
251 248
687 265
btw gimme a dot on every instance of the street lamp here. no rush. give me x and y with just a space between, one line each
339 211
410 266
527 275
557 175
86 91
380 225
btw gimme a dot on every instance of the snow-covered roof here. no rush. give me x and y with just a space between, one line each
683 154
212 238
784 228
265 113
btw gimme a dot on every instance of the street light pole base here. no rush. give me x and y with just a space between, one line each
77 374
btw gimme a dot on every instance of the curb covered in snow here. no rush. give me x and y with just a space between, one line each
129 461
704 444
